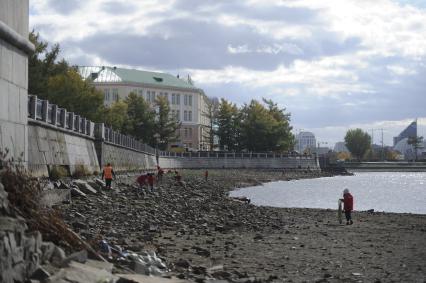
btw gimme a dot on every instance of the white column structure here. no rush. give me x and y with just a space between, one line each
14 50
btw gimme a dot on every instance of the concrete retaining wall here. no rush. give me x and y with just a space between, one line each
264 163
48 147
14 47
124 159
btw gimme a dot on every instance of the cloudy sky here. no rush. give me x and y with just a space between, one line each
334 64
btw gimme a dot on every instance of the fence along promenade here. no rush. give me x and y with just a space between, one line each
42 112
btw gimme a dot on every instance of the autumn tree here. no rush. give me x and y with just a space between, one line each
358 142
212 108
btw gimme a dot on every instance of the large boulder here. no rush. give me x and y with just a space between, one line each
85 187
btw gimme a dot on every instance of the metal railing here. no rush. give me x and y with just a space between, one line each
108 135
42 111
45 112
247 155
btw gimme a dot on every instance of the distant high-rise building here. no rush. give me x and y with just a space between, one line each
409 132
340 147
305 140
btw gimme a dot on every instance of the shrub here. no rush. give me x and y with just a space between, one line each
58 172
80 171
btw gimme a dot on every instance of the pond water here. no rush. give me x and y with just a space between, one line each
381 191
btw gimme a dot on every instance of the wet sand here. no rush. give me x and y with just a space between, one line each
201 233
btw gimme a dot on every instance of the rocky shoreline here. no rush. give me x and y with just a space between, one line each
202 234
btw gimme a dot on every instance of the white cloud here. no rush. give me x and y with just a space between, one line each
329 76
276 48
400 70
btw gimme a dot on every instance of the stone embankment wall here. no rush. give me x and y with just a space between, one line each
256 161
14 49
125 159
51 147
57 137
386 166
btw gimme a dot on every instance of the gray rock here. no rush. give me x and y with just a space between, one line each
58 256
182 263
79 225
85 187
47 249
40 274
76 192
100 182
80 257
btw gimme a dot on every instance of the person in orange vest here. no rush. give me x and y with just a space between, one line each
108 173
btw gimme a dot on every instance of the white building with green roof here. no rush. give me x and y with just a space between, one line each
187 102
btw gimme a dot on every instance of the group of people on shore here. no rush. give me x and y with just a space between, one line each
147 180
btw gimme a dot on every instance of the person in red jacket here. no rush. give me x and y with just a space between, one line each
348 206
142 181
151 179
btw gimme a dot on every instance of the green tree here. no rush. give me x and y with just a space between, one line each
42 65
283 139
227 125
416 142
141 123
257 127
116 116
53 79
166 125
358 142
266 128
68 90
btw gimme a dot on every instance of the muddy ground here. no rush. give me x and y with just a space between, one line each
202 234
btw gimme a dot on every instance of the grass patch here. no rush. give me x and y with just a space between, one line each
58 172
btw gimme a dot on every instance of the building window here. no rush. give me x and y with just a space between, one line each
189 115
178 99
185 132
166 95
106 94
140 92
190 132
190 100
185 115
173 98
153 96
135 91
115 94
185 100
178 115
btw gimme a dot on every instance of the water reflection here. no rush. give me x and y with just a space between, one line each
381 191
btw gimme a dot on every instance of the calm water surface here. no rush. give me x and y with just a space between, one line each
381 191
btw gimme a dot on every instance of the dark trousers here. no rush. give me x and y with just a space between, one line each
348 215
108 183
